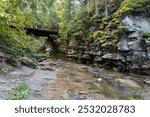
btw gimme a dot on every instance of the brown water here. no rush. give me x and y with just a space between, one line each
58 79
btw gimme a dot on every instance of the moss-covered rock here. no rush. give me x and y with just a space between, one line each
146 34
111 28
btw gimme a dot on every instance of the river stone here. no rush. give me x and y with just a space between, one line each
28 62
113 56
49 68
145 67
128 82
147 81
99 79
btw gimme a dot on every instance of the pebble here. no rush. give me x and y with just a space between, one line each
99 79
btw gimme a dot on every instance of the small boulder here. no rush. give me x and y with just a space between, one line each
128 82
99 79
28 62
123 45
111 56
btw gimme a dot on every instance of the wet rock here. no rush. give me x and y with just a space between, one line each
49 68
40 58
43 63
128 82
28 62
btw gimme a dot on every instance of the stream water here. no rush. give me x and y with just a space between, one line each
59 79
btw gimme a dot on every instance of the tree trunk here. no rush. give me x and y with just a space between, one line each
106 8
96 6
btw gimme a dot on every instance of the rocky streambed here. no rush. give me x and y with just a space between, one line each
59 79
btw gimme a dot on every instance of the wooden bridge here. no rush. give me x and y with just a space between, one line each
39 32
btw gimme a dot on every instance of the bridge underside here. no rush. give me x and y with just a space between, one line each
41 32
45 33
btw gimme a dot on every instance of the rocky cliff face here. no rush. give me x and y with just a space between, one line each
122 40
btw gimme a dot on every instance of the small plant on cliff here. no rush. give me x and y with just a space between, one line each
4 70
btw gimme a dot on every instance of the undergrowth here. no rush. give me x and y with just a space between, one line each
20 92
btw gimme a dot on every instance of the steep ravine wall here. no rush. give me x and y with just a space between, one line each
131 53
122 40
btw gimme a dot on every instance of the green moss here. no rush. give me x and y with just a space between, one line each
96 34
122 10
121 28
146 34
101 40
116 20
128 5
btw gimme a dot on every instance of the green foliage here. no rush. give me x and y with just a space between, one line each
34 9
20 92
14 41
121 28
73 19
129 5
146 34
